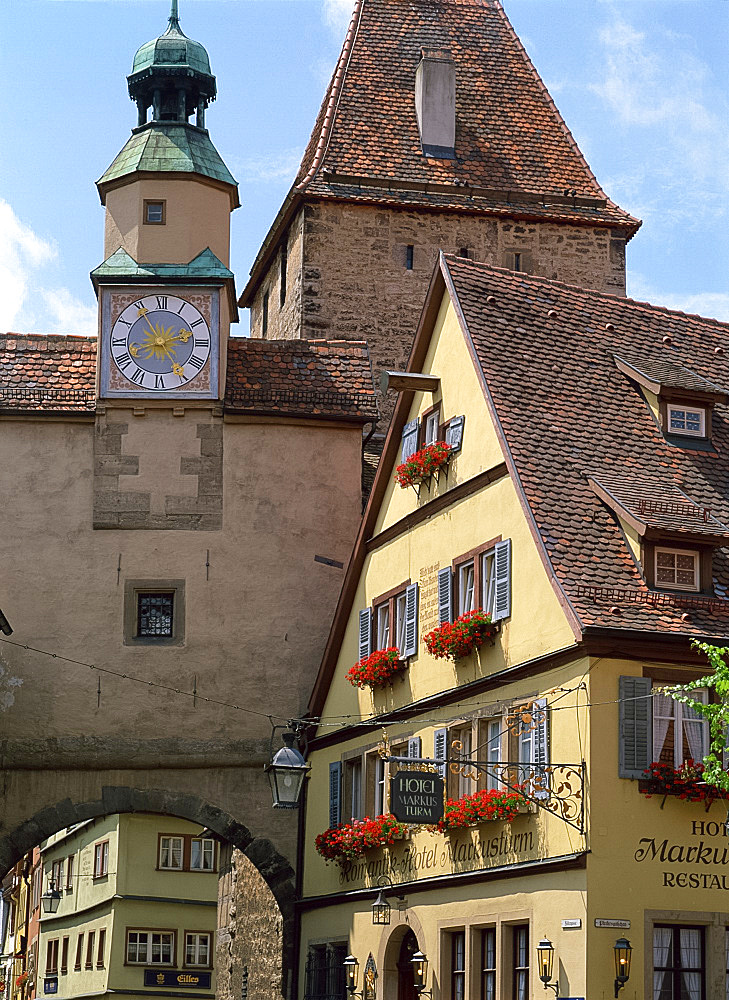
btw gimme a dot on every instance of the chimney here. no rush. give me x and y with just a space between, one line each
435 103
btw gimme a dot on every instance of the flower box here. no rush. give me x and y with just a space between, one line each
459 638
422 464
376 669
685 782
480 807
351 840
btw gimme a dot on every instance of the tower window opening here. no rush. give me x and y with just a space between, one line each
463 252
154 213
409 256
517 262
284 267
264 321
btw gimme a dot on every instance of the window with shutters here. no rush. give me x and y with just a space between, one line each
409 442
474 580
430 426
453 432
529 746
489 750
391 621
377 776
352 790
335 793
679 732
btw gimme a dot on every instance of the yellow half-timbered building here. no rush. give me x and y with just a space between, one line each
581 509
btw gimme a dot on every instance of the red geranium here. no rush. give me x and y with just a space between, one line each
685 781
478 807
378 668
423 463
459 638
351 840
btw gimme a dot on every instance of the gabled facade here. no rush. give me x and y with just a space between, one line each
436 133
590 526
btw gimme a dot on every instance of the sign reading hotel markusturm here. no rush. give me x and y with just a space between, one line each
417 796
172 977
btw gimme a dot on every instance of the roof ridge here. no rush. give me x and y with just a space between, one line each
583 290
334 93
79 338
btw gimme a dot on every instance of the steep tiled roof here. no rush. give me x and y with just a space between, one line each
47 373
566 412
314 378
513 150
656 372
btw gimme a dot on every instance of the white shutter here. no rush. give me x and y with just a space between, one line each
502 599
365 632
445 596
411 621
454 432
414 747
440 750
409 439
335 793
540 747
636 726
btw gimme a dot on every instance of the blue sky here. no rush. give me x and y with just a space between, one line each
643 85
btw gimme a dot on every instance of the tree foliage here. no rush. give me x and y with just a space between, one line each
717 713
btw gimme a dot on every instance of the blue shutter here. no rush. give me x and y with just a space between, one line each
415 747
411 621
409 439
502 598
335 793
540 747
454 432
445 596
440 750
636 726
365 632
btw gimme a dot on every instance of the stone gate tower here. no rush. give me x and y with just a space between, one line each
436 133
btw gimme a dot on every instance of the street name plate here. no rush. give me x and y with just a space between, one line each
603 922
569 924
416 796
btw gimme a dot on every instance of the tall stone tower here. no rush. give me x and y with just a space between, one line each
436 132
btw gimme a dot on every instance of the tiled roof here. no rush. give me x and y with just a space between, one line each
656 503
565 411
513 150
123 266
314 378
656 373
47 373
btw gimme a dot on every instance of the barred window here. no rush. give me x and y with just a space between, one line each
325 978
155 614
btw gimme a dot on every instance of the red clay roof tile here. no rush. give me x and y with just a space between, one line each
47 373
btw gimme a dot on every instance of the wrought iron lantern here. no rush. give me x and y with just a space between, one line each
381 909
51 898
286 772
419 963
545 960
623 953
351 971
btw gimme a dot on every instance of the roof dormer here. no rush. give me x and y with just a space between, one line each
682 402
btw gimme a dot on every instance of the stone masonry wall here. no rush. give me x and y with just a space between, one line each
356 284
282 319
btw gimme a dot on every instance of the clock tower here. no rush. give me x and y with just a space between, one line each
166 295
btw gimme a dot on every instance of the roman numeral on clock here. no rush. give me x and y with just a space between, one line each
120 320
201 342
196 323
137 376
139 305
181 308
118 341
161 301
196 362
159 382
123 361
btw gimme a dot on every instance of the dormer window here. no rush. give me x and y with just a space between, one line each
686 420
677 569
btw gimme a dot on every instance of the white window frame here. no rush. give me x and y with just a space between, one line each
196 938
488 581
672 408
400 620
101 859
354 771
207 844
466 588
432 427
662 584
380 785
492 730
383 625
679 713
465 784
169 850
147 938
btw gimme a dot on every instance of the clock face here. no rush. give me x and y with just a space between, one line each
160 343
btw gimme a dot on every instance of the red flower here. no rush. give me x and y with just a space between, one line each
479 807
685 781
459 638
378 668
351 840
423 464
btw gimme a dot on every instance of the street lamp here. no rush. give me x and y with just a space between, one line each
623 953
419 963
351 970
286 772
545 959
381 908
51 898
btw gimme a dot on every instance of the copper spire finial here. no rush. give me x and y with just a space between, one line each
174 16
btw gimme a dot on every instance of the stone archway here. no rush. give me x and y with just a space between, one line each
390 956
274 869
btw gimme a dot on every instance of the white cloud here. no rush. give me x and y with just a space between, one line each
255 169
713 305
337 15
23 255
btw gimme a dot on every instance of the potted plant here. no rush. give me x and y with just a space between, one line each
480 807
350 840
376 669
459 638
685 782
422 464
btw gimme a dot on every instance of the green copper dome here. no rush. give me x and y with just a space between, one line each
174 50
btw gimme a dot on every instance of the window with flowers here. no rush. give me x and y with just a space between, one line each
478 579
